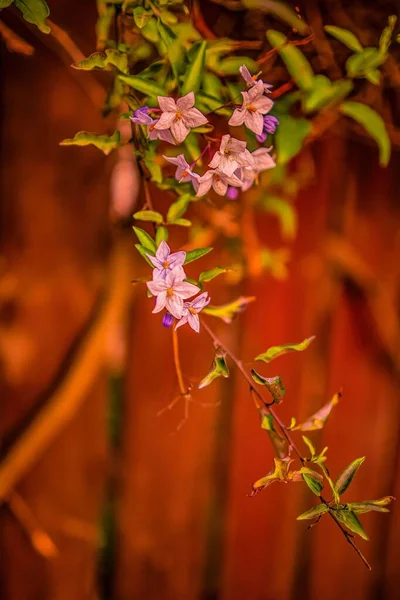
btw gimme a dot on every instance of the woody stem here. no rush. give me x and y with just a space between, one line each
177 362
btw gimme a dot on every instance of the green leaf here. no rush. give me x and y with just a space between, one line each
161 235
105 19
192 255
276 351
212 86
346 477
372 123
285 212
141 16
295 61
98 60
314 513
178 208
192 145
227 312
152 166
144 252
211 273
230 66
149 215
279 474
324 92
104 143
371 505
5 3
386 37
193 77
35 12
219 368
318 419
280 10
175 50
373 76
145 239
209 104
313 483
362 62
145 86
181 222
351 521
345 36
289 137
273 384
279 443
309 445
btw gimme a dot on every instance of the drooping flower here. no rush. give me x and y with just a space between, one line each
183 171
269 126
254 106
190 312
232 154
218 180
164 262
252 79
141 117
167 320
262 161
179 116
171 292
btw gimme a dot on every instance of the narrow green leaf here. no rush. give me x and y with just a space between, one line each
145 239
346 477
178 208
181 222
276 351
192 255
351 521
161 235
290 136
274 385
145 86
211 273
386 37
373 76
295 61
193 77
143 252
5 3
324 93
313 483
313 513
345 36
281 11
371 505
219 368
372 123
362 62
192 146
227 312
104 143
152 166
309 445
35 12
149 215
141 16
98 60
230 66
212 86
175 50
105 19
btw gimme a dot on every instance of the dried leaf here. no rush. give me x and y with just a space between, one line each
276 351
318 419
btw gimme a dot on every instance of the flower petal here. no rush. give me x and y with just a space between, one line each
174 305
237 146
163 251
179 130
183 320
245 73
166 104
186 102
238 117
165 121
233 180
263 160
160 302
256 91
165 136
185 289
201 301
157 286
215 160
227 165
220 186
177 259
154 261
194 322
263 104
194 118
254 121
172 159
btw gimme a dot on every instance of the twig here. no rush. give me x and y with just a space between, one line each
270 53
14 42
177 362
39 539
348 537
148 203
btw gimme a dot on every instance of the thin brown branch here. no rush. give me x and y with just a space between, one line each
273 51
349 539
177 362
14 42
39 538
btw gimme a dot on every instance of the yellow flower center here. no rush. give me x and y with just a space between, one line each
170 292
165 264
252 108
179 115
192 310
152 127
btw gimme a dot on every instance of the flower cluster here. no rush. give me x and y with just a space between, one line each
232 166
170 288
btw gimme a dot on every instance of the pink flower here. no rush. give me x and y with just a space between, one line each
183 171
262 161
164 262
179 116
232 154
218 180
190 312
254 106
140 117
171 292
252 79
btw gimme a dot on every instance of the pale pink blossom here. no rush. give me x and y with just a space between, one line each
262 161
218 180
140 117
255 106
179 116
183 172
171 292
164 262
252 79
190 312
232 154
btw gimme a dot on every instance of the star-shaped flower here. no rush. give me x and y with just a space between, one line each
141 117
254 106
262 161
171 292
183 171
232 154
252 79
190 312
218 180
164 262
179 116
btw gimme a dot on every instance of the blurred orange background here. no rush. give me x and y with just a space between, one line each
102 498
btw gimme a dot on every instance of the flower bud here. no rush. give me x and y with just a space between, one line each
167 320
